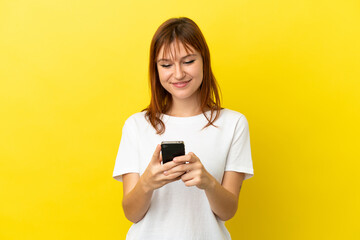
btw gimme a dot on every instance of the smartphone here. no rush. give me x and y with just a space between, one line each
171 149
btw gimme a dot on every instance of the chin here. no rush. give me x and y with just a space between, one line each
183 96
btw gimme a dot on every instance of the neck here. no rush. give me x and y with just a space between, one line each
185 107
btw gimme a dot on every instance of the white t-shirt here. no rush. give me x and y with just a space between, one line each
176 211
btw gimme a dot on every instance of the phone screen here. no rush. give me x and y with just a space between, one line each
171 149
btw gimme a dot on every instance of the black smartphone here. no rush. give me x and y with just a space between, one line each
171 149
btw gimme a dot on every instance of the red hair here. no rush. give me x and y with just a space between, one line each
186 31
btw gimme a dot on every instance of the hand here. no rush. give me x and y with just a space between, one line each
195 172
154 177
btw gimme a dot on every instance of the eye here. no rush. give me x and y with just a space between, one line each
166 65
189 62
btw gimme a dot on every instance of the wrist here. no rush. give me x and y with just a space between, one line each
144 185
211 183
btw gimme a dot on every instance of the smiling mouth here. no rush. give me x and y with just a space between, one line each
181 84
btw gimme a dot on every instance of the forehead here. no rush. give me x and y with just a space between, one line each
174 50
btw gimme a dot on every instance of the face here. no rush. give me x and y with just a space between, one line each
180 73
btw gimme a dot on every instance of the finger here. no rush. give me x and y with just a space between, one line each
175 179
179 168
156 156
169 179
175 175
191 182
188 176
190 157
169 165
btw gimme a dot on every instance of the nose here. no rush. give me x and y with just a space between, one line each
179 73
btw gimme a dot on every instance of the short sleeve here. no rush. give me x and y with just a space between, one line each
127 159
239 157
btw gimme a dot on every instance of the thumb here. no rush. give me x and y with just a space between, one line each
156 158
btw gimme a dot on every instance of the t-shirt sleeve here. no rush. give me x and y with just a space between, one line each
239 158
127 159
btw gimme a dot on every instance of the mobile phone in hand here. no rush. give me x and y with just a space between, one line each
171 149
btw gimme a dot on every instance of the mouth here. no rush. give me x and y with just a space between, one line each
181 84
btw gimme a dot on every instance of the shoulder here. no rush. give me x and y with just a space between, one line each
136 117
136 120
233 120
232 115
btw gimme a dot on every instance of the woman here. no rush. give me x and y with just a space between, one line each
191 196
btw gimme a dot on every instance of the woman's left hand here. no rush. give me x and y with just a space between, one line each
195 173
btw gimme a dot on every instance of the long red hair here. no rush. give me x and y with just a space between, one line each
186 31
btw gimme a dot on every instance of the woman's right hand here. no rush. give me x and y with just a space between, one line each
154 177
139 189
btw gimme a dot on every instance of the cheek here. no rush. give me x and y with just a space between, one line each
201 75
163 79
198 72
164 75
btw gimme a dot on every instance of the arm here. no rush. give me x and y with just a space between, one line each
137 191
223 198
137 197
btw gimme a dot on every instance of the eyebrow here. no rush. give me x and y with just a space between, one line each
189 55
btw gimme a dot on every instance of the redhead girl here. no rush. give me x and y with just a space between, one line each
193 195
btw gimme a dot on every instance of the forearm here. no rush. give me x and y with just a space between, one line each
137 202
222 202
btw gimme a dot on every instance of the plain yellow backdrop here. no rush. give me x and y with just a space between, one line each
71 72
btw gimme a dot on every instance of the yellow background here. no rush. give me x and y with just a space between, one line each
71 72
